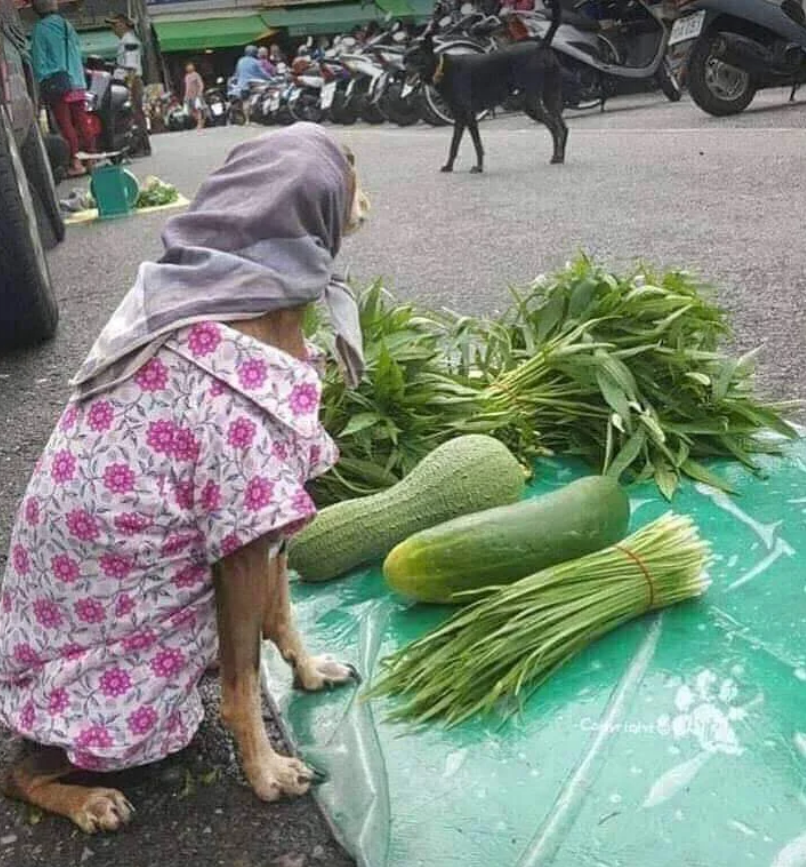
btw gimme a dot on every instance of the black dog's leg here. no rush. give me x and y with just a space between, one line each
553 103
458 132
473 125
555 125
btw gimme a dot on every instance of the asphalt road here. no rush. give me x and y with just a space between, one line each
646 179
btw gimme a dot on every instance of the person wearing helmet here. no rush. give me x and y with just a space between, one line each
249 69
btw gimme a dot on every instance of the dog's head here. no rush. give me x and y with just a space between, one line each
358 201
421 61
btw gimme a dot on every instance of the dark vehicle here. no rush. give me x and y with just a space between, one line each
739 47
31 219
109 108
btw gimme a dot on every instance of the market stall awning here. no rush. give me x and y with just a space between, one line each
313 20
198 34
98 43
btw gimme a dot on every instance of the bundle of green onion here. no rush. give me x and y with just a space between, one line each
502 647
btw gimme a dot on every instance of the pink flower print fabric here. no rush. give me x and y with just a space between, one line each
107 615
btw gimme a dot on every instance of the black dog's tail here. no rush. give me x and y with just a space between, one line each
556 14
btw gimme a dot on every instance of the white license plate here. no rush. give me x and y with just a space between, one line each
687 28
274 102
407 89
328 92
217 109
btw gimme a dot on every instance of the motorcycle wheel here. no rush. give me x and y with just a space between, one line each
428 114
403 112
717 88
368 112
284 116
342 112
667 81
237 115
308 109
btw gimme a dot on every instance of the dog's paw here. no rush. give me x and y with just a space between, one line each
324 671
103 810
476 170
557 161
446 169
280 776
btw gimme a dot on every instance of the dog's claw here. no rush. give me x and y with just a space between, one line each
318 775
354 672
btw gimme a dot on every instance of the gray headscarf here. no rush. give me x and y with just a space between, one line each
261 235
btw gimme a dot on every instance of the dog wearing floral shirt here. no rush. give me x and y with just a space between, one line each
150 542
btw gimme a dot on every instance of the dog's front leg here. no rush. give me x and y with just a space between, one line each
458 132
241 589
310 672
473 125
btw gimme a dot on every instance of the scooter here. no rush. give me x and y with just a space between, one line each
739 47
216 100
387 93
626 42
109 109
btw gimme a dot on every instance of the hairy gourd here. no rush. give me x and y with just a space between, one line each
463 475
504 544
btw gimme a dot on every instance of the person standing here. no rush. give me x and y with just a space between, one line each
59 71
130 65
194 95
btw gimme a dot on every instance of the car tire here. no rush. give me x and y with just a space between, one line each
28 309
43 189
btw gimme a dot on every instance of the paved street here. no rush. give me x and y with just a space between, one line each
647 179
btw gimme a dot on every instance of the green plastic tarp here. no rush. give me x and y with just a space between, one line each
199 34
678 740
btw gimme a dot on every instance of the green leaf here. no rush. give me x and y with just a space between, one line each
613 395
549 317
389 381
702 474
359 422
666 479
628 454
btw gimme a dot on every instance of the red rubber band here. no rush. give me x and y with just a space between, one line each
642 567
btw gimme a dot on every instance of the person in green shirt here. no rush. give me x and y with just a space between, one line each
59 71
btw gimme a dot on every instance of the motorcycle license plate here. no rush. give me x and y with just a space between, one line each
407 89
274 102
217 109
328 92
687 28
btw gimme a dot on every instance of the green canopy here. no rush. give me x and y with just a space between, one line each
340 17
326 18
98 43
198 34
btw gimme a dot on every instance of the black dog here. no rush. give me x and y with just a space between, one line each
470 83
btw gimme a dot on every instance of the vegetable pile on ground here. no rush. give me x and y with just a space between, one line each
624 371
505 645
156 193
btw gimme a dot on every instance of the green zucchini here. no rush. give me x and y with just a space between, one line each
463 475
501 545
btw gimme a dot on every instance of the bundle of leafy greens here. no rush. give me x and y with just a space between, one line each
494 653
626 372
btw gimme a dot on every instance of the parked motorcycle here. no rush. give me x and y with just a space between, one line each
109 110
305 97
217 106
365 71
334 93
739 47
626 43
387 93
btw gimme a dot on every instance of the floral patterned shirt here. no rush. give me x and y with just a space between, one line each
107 616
